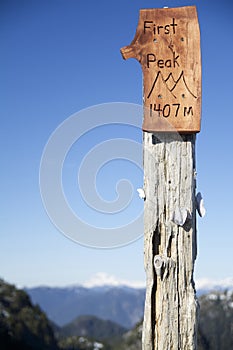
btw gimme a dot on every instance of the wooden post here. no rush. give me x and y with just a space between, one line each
170 242
167 44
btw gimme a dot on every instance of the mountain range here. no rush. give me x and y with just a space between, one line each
172 84
121 304
24 326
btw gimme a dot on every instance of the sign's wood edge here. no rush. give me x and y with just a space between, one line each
131 51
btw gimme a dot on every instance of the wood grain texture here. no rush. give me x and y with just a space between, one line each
170 318
167 45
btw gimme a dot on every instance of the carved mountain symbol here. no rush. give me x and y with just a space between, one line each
171 83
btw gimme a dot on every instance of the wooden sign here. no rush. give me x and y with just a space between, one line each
167 45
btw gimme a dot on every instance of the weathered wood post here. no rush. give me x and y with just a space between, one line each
167 45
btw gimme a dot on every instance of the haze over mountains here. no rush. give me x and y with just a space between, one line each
123 305
24 326
119 303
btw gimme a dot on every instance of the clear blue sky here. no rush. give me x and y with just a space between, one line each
59 57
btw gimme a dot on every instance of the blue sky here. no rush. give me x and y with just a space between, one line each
59 57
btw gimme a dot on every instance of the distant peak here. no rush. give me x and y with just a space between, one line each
102 279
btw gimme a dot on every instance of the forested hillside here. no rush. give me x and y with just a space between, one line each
216 321
24 326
